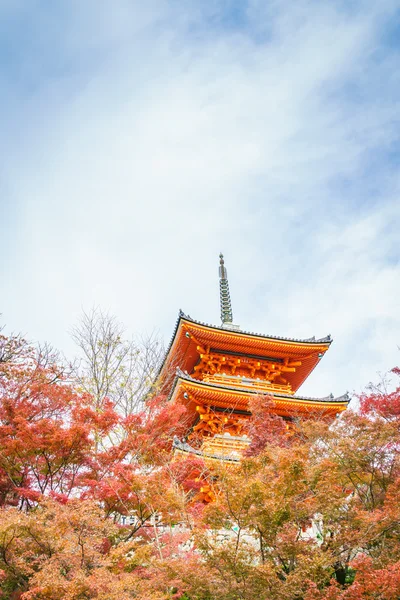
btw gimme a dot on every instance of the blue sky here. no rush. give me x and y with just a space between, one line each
141 139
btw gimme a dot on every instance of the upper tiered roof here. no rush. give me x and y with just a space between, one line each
190 335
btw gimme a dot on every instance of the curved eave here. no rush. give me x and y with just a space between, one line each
207 457
309 350
228 397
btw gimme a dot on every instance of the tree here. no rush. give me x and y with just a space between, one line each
314 517
47 428
112 367
62 552
310 513
55 439
49 452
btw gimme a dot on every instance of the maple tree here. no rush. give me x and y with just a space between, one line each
33 408
314 517
56 445
55 439
310 513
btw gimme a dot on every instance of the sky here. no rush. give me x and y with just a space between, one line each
141 139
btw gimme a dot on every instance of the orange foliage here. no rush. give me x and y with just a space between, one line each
87 513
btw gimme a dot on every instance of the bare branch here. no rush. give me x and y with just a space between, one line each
113 367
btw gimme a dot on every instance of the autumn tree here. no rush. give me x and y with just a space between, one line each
68 551
310 513
315 517
52 468
47 428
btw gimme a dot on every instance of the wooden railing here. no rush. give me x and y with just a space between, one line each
263 387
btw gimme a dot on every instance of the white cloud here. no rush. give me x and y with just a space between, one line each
158 137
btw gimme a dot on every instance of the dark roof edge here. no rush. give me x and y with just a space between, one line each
312 340
180 315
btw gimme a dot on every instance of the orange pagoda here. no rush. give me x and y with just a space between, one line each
214 370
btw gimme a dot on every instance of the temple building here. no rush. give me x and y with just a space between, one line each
215 370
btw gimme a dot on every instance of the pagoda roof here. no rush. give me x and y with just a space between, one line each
224 396
186 448
232 340
312 340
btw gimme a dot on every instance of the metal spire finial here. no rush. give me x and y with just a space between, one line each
225 298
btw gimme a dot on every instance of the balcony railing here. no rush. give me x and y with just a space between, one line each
256 385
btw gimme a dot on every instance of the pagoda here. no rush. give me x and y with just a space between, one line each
215 370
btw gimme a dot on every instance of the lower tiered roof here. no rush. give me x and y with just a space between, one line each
193 392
